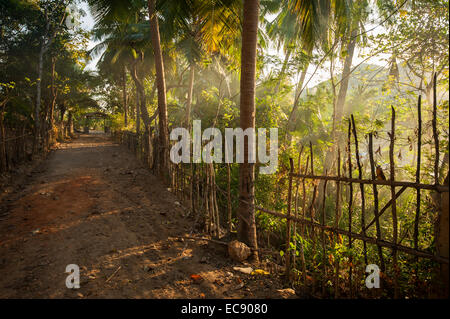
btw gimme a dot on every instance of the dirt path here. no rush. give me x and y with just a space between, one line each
94 205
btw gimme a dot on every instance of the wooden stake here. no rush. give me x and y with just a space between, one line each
361 187
230 225
435 134
394 204
419 151
350 203
297 182
302 228
288 222
337 212
324 260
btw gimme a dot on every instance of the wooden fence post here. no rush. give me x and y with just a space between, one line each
394 203
442 240
288 222
229 208
350 206
361 187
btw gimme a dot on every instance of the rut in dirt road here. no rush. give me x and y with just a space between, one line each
93 204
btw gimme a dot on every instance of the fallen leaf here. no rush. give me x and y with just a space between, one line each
260 272
196 278
202 295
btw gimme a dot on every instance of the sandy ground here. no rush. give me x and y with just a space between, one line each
93 204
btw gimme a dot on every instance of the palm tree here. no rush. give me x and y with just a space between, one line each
311 20
53 16
247 225
161 86
312 17
200 28
116 12
112 28
126 41
352 26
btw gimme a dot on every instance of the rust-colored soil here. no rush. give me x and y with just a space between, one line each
94 205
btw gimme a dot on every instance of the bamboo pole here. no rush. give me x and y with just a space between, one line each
361 187
350 203
297 182
191 188
182 182
230 225
216 206
288 223
336 223
385 208
324 261
393 205
206 197
211 199
419 151
302 228
435 133
312 214
439 188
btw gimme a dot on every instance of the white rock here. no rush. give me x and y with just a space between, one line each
286 293
238 251
245 270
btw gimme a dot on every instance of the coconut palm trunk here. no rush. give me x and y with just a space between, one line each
338 112
247 226
343 87
37 108
141 107
54 94
189 99
161 85
124 95
293 115
138 114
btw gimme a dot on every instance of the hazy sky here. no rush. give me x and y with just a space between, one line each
322 74
87 23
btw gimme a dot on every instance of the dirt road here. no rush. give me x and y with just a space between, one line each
93 204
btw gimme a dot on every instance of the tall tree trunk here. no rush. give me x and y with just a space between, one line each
48 111
298 91
124 95
3 159
283 69
37 107
70 124
343 87
247 225
141 111
338 112
161 85
141 107
62 110
54 93
189 99
138 114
